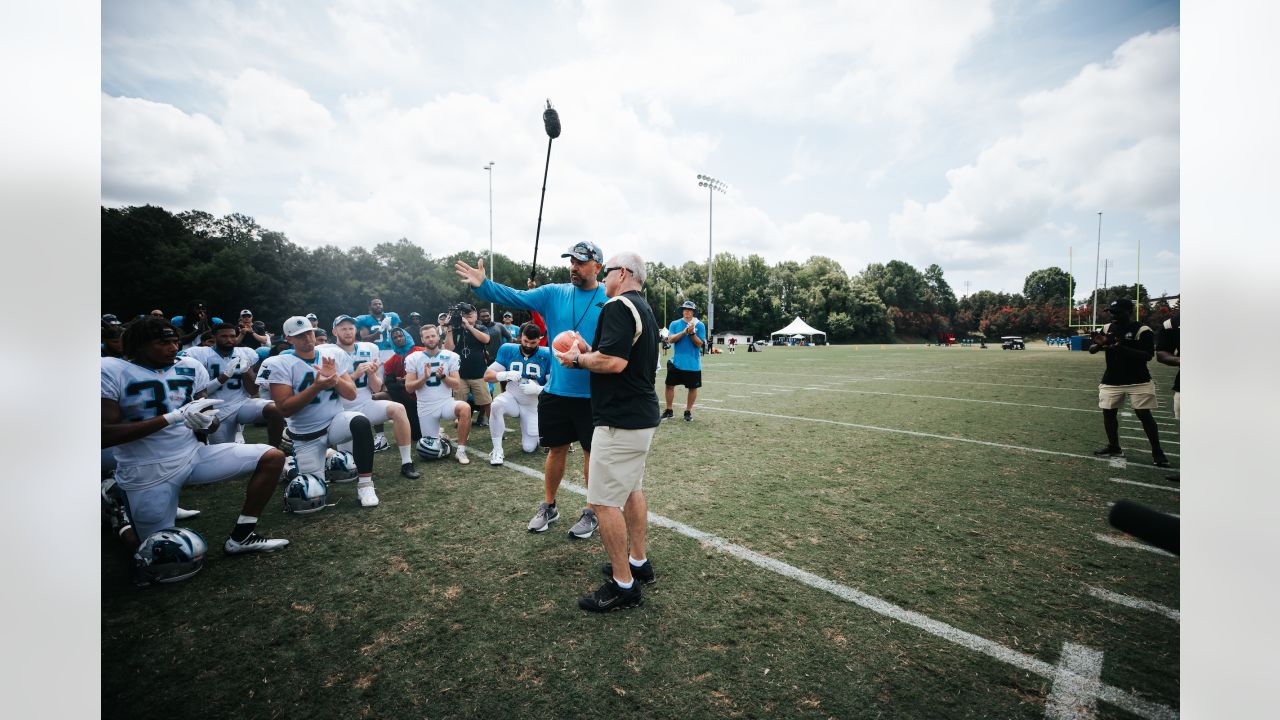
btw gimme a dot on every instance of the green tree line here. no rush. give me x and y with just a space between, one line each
152 258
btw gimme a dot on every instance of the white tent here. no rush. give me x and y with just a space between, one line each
798 327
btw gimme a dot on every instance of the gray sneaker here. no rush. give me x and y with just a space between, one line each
586 525
546 515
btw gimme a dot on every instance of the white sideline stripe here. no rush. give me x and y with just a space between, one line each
1121 542
854 378
1163 431
1135 603
992 649
712 400
1075 689
917 433
1130 437
1145 485
789 388
740 396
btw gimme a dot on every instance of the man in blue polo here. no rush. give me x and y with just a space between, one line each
688 335
564 407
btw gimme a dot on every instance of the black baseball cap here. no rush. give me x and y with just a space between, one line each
585 251
1122 304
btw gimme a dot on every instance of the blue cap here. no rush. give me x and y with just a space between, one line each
342 319
585 251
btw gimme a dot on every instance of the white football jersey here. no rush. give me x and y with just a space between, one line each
420 363
233 393
363 353
299 374
144 393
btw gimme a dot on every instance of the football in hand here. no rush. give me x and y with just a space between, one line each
565 340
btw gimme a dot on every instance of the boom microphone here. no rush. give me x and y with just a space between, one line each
1149 525
551 120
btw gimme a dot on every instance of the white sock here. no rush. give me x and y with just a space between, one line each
246 520
365 482
636 563
462 448
405 458
626 586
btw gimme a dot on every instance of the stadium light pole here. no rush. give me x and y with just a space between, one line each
1096 262
489 169
713 186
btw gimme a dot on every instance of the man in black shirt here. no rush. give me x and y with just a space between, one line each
1129 346
1168 353
469 341
624 412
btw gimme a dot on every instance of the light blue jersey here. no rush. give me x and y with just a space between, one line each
687 356
536 368
564 307
368 322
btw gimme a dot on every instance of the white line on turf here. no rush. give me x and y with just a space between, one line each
916 433
1075 689
1115 696
1135 603
740 396
1145 485
789 388
1140 437
1121 542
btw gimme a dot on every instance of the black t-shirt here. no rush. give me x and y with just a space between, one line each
627 399
498 336
472 353
1169 342
1124 368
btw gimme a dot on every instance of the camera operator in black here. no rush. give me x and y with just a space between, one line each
1129 346
1168 353
469 341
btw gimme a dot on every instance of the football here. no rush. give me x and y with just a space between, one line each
564 341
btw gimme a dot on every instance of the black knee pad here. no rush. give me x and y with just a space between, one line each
362 444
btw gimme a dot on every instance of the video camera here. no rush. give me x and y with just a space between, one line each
456 312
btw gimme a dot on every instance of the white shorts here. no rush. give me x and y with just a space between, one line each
310 453
429 416
1142 396
248 413
1177 405
506 405
375 410
153 489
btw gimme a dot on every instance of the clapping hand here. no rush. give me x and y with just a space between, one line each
326 373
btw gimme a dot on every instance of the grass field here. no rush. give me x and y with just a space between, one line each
852 532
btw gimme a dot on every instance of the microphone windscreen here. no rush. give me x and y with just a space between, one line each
551 119
1146 524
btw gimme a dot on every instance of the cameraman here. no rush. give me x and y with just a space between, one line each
469 341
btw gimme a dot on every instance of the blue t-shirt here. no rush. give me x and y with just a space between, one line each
536 368
368 322
564 307
687 356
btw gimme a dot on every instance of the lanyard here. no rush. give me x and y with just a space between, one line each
574 306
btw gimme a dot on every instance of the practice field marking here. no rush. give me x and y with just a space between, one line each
1145 485
917 433
1132 545
745 397
1140 437
1135 603
1075 689
712 400
855 379
789 388
992 649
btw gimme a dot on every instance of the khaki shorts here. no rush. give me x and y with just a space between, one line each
617 464
1141 396
1177 405
478 388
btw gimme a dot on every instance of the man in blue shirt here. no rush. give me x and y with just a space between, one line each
564 407
376 326
688 335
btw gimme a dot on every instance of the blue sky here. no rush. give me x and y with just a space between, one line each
983 136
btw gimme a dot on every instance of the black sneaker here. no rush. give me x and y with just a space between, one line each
666 414
688 416
1109 451
409 471
611 597
1160 460
643 574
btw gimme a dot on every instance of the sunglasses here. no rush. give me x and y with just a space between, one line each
611 269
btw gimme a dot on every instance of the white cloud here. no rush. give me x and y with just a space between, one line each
268 111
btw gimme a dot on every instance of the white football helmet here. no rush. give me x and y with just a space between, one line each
305 494
169 555
342 464
434 448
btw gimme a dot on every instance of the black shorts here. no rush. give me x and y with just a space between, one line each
691 379
562 420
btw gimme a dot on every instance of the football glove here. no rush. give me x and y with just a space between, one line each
236 367
193 415
530 387
508 376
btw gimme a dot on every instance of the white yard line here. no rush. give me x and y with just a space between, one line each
789 388
1075 689
916 433
1115 696
1145 485
1131 544
740 396
1135 603
854 378
1142 437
